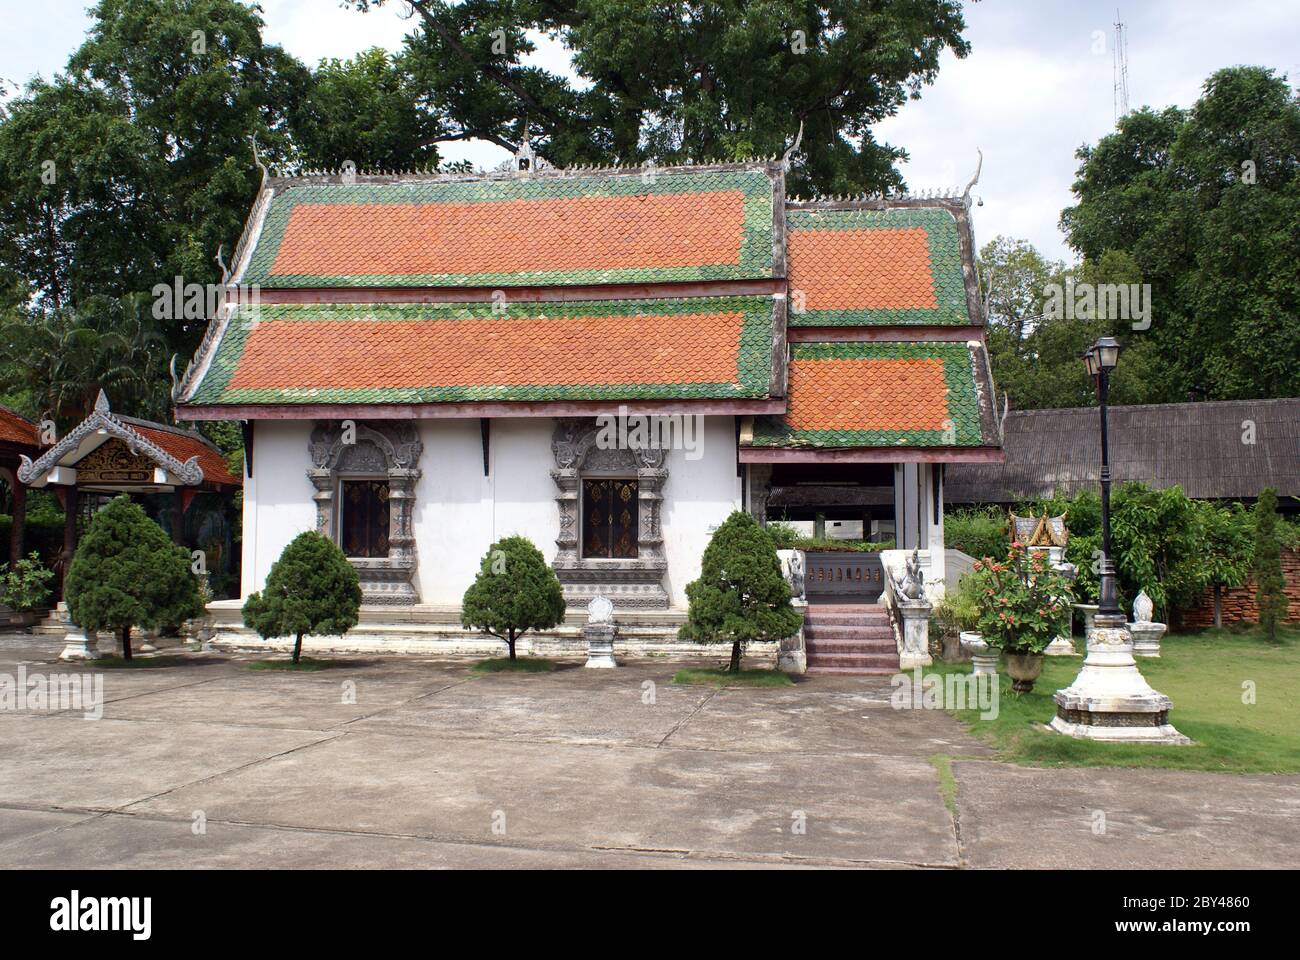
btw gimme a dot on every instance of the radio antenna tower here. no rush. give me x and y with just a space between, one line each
1120 63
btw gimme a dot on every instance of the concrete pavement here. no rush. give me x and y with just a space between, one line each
403 762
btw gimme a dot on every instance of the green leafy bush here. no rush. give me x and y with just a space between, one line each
515 591
27 585
741 595
128 573
1163 542
1023 603
977 531
312 588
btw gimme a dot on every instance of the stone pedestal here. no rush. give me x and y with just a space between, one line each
600 644
77 645
1109 699
916 633
791 654
1060 647
1146 638
984 659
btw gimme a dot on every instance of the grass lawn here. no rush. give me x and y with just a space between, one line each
720 677
1205 674
506 665
304 665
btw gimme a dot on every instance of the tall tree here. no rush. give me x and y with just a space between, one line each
1206 202
687 81
1266 565
366 110
1034 345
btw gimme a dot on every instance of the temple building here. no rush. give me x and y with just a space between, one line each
425 364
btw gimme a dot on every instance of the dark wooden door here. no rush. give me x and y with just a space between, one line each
609 518
365 518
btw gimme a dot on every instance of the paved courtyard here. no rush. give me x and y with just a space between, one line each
405 762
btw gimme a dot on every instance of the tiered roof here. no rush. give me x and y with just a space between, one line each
556 292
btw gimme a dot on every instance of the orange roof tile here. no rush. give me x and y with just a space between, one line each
182 445
16 429
688 348
698 225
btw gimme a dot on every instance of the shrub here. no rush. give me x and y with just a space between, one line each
515 591
1162 541
977 531
1266 565
1023 603
312 588
127 573
27 585
741 595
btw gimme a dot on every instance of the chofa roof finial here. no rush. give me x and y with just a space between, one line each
789 153
975 179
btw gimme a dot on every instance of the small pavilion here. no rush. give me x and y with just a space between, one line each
18 439
108 454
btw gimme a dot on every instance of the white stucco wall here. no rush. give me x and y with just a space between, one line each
698 496
278 501
459 513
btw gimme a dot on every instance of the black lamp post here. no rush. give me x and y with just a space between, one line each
1101 359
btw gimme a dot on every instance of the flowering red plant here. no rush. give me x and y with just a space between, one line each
1024 604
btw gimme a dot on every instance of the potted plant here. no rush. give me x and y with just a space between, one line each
25 589
1024 604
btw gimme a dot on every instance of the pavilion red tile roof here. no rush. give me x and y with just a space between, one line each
15 428
182 444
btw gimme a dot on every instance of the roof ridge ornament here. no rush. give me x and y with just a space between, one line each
257 159
965 196
525 157
101 402
789 153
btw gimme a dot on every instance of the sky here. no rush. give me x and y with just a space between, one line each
1037 84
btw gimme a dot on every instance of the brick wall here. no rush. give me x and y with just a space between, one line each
1239 602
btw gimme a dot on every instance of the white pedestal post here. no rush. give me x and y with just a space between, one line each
600 644
1146 638
983 658
792 654
916 633
1109 699
78 646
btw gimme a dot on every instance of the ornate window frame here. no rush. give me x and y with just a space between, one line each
380 448
636 583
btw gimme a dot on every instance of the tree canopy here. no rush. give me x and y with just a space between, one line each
1206 203
127 573
686 81
741 595
515 591
312 588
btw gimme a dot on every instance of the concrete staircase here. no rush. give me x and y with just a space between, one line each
851 638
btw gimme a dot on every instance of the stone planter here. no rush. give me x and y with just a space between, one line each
1024 669
1146 638
984 659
